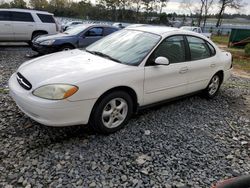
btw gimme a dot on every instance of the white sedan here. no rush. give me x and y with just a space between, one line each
114 77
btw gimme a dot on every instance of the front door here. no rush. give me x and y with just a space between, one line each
166 81
90 36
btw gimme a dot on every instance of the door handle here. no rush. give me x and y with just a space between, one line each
7 24
212 65
30 25
183 70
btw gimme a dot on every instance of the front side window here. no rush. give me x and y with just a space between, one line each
5 16
108 30
45 18
173 48
126 46
198 48
93 32
22 17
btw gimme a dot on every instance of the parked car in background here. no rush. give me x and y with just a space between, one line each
68 24
21 25
119 25
78 37
197 30
114 77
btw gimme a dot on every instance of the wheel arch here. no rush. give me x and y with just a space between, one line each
221 75
67 44
39 31
126 89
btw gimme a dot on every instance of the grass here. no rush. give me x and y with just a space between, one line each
221 40
241 60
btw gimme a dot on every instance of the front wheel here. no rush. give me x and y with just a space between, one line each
213 87
112 112
66 47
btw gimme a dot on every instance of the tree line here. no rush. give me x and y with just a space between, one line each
137 11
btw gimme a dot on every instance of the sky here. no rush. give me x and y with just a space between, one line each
174 6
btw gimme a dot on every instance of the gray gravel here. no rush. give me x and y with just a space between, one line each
192 141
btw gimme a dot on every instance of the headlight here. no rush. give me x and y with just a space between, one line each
47 42
55 91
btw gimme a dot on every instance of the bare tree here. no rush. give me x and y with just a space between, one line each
187 5
207 6
200 12
137 7
163 3
235 4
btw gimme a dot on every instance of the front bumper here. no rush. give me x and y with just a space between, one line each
50 112
45 49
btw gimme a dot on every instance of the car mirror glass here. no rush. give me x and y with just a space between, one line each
161 61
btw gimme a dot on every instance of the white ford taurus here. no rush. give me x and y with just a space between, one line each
104 84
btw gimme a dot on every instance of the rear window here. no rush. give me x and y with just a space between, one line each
45 18
5 16
22 17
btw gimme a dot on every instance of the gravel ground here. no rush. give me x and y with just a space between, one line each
192 141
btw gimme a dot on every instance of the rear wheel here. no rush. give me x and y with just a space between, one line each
112 112
213 87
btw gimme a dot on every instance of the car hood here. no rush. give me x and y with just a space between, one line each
52 37
71 67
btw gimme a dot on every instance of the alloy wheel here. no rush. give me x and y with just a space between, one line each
114 113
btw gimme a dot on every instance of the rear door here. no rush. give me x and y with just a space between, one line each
23 25
6 26
202 65
90 36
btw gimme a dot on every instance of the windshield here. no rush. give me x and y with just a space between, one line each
125 46
75 30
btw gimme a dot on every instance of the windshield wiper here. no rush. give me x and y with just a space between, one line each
104 55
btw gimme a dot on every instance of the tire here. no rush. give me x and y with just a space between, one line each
66 47
111 112
213 87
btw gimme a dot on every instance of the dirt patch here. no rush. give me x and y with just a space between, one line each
240 73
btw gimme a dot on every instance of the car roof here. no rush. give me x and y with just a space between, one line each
96 25
192 27
26 10
160 30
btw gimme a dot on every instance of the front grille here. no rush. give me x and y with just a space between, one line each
23 81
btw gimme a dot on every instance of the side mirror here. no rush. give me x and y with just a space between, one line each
161 61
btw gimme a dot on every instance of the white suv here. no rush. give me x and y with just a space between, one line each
24 25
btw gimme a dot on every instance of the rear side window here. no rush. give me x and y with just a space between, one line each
5 16
212 50
45 18
22 17
108 30
95 31
198 48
